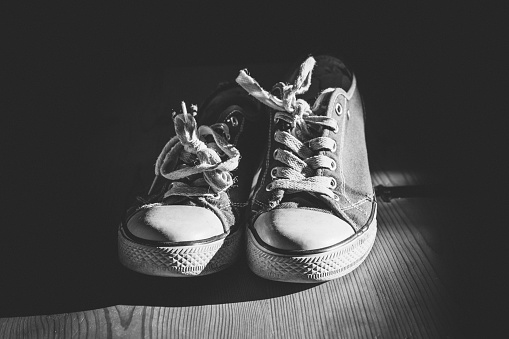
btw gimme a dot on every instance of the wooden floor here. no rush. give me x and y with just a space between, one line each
414 284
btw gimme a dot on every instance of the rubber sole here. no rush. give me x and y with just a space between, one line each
179 261
312 268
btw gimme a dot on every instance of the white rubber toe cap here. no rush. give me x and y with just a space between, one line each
301 229
175 223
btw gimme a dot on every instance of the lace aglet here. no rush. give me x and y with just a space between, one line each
153 184
184 108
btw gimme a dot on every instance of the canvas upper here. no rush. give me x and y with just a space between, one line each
203 206
313 189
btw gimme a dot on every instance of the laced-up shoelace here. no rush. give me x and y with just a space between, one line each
196 155
302 161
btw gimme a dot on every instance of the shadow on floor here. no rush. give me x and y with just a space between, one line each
81 272
79 291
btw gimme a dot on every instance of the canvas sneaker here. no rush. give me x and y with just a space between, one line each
313 209
190 222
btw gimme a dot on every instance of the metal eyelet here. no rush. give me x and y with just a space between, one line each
273 173
268 187
272 204
336 129
333 165
334 148
338 109
223 129
274 154
333 183
215 196
336 197
227 135
233 121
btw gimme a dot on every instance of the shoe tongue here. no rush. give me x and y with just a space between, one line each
228 94
329 72
323 82
303 200
277 91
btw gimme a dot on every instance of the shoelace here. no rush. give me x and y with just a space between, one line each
302 161
190 147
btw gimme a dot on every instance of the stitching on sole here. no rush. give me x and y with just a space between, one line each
180 261
310 268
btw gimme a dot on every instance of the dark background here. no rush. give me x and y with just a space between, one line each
427 74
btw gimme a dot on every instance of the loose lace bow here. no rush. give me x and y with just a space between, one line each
197 154
296 112
302 161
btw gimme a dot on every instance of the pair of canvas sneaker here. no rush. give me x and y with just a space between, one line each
282 175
